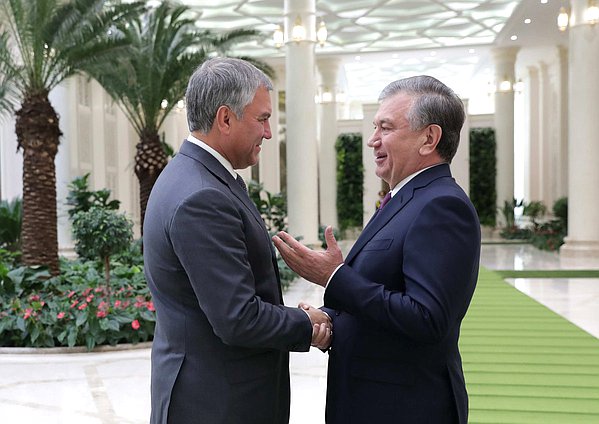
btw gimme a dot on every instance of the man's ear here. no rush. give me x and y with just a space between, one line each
223 119
433 135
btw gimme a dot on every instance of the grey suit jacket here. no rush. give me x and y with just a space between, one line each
220 350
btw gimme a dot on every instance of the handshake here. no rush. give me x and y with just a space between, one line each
322 326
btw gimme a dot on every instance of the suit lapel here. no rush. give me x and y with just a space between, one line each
219 171
396 204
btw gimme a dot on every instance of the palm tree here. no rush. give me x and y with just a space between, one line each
165 49
46 41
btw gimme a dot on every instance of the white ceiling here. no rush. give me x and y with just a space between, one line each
451 40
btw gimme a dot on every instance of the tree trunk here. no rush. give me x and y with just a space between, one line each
150 160
38 134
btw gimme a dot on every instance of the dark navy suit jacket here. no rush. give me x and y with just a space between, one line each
220 350
397 305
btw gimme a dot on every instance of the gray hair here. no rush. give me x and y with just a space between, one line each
433 103
221 81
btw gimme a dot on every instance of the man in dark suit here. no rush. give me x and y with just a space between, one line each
398 299
220 350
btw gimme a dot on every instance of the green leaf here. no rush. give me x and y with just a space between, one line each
81 317
21 324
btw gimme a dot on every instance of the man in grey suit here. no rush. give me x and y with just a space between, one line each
220 350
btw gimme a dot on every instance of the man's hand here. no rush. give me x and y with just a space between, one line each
312 265
322 327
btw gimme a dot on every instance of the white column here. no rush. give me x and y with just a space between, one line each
98 176
562 153
327 156
504 125
11 161
547 133
302 165
583 193
534 136
460 165
372 183
270 161
63 99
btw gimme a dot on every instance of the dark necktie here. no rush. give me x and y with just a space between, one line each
241 183
385 200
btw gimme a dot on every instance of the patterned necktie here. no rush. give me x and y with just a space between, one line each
385 200
241 183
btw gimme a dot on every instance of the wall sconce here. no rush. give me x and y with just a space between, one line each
298 32
519 86
505 85
322 33
325 96
562 19
591 14
278 37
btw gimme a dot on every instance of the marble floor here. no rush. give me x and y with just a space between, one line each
113 387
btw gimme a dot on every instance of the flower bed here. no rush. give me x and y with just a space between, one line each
76 308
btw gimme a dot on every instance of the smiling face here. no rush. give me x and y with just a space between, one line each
246 134
398 149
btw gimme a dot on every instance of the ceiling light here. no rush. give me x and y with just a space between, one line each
514 37
527 20
544 1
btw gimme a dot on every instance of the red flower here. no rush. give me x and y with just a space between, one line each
117 303
34 298
82 306
150 305
60 315
101 314
135 324
28 312
74 304
71 294
89 298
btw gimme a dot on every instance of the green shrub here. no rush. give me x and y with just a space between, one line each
350 180
11 217
273 209
550 235
81 199
534 210
100 233
483 171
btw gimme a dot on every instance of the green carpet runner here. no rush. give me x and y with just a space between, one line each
524 364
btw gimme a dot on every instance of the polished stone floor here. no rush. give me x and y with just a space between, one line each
113 387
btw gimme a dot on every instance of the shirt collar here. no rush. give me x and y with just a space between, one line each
406 180
223 161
